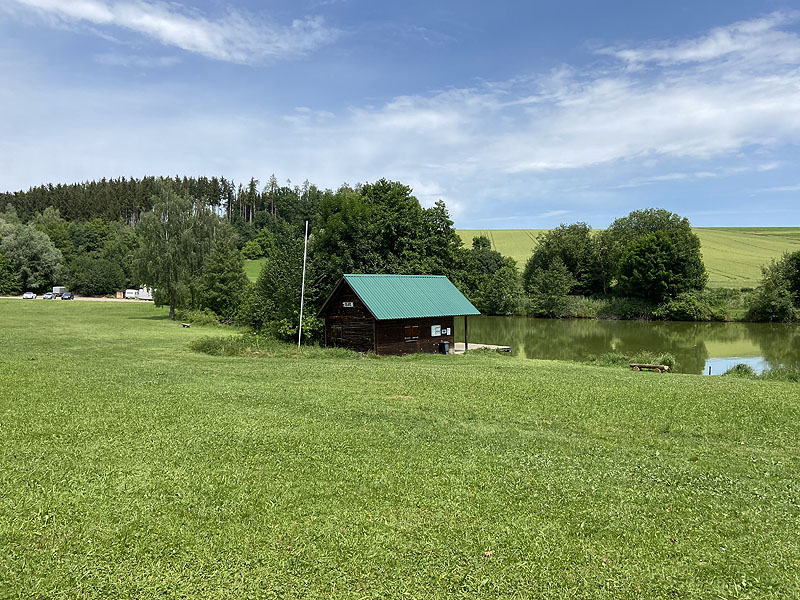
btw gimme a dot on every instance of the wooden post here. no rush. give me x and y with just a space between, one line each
466 343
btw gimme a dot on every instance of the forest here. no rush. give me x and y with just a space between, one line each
188 237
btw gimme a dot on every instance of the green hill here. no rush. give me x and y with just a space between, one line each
733 255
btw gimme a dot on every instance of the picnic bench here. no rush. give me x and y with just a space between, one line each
656 368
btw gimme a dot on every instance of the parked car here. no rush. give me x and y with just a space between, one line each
49 296
67 296
29 295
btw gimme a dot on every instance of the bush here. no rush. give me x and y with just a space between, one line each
691 306
781 374
627 309
252 250
740 370
197 317
774 299
580 307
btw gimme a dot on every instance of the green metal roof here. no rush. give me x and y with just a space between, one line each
410 296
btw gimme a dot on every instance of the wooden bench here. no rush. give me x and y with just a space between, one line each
186 324
656 368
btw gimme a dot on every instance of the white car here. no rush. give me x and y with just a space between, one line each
29 295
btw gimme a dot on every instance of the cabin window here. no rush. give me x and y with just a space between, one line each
336 334
411 333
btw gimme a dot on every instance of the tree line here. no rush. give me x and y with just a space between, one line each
127 199
187 237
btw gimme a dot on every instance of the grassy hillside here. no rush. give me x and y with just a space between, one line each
131 467
733 255
253 268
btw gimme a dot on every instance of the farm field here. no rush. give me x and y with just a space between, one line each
733 255
131 466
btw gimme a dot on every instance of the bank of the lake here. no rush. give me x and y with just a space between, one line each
132 466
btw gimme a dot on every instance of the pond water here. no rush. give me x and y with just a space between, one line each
695 346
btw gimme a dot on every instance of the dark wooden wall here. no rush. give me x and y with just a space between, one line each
352 328
391 335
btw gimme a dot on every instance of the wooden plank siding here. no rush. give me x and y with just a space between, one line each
391 336
349 327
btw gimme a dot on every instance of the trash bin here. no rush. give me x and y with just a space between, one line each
444 347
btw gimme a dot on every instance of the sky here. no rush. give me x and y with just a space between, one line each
516 114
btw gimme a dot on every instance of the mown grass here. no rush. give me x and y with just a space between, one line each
133 466
253 268
733 255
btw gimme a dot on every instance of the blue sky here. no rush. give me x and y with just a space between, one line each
517 114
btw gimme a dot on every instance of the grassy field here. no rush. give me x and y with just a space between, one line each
132 467
253 268
733 255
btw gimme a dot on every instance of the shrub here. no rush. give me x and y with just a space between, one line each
197 317
580 307
252 250
774 299
781 374
691 306
628 309
740 370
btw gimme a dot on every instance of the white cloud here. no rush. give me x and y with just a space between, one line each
757 39
782 188
235 38
534 146
130 60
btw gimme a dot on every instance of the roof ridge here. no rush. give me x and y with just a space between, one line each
389 275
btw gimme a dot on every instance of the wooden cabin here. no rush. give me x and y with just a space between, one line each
393 314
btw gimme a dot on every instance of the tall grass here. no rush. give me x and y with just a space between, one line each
266 347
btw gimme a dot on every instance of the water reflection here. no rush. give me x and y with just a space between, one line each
692 344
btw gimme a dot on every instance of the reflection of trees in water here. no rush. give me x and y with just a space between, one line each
576 339
779 343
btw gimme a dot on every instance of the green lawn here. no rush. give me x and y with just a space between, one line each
253 268
733 255
131 467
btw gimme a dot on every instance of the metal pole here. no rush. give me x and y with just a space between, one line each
466 341
303 288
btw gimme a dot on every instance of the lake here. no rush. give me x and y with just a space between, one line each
695 346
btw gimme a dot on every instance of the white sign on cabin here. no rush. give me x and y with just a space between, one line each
436 330
347 304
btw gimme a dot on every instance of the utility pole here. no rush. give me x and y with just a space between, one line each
303 289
